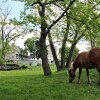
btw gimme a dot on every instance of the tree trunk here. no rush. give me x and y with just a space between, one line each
45 31
68 62
54 53
63 53
64 43
77 37
93 43
46 67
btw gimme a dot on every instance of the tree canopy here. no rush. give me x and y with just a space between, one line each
71 20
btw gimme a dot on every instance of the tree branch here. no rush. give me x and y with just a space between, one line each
48 29
14 37
52 2
34 3
9 32
58 6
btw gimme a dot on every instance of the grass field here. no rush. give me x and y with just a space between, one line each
32 85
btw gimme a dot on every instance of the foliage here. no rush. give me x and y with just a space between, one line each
1 59
87 16
75 53
8 31
80 13
33 46
38 55
29 43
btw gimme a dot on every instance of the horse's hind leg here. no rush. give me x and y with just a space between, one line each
98 69
99 79
87 71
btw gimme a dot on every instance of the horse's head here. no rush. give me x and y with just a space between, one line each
71 75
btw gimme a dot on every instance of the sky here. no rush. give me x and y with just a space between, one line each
16 8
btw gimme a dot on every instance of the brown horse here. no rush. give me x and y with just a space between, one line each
87 60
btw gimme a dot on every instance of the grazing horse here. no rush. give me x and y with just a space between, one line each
86 60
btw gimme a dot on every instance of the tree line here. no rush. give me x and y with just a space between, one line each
64 20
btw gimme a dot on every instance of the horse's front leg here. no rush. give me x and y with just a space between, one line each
80 71
87 71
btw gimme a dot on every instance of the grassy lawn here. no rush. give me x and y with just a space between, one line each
32 85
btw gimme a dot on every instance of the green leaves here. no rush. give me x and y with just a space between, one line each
33 46
76 52
29 43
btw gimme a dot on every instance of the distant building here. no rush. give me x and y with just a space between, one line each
19 56
57 49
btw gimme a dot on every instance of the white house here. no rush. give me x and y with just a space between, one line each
16 55
57 46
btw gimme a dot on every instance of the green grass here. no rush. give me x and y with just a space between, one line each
32 85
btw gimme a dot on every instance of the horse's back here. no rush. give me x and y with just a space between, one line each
82 60
95 56
88 60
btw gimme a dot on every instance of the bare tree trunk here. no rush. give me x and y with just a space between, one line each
46 67
45 31
63 53
93 43
54 53
75 40
64 43
3 47
68 62
77 37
